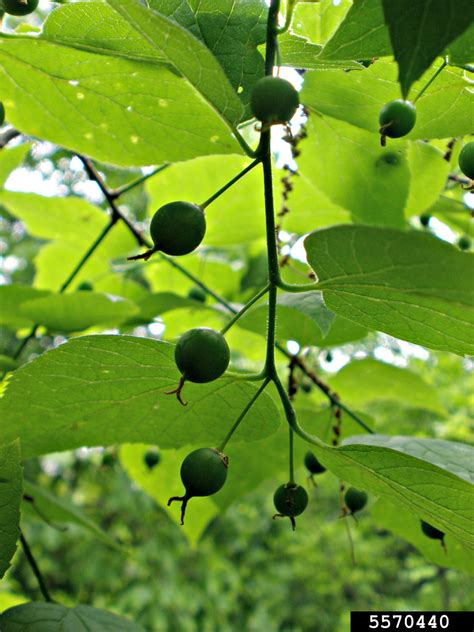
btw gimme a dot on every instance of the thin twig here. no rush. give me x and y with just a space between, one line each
35 568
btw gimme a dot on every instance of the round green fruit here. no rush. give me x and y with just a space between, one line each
204 472
202 355
197 294
431 532
425 220
355 500
151 458
464 242
178 228
290 500
274 100
19 7
397 118
312 464
2 114
466 160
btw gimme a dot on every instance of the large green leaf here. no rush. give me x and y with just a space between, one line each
318 21
10 499
420 31
403 523
41 503
443 111
101 390
407 284
186 53
363 381
95 104
78 311
232 33
433 493
348 165
452 456
429 172
51 617
361 35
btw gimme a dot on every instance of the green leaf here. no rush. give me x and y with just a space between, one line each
197 180
187 54
41 503
11 299
430 492
461 51
10 159
7 363
301 317
318 21
348 165
163 482
299 52
416 36
10 499
429 172
357 97
454 213
403 523
232 33
406 284
368 380
102 390
361 35
153 305
95 104
451 456
31 617
78 311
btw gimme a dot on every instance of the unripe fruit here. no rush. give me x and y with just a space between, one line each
197 294
397 118
432 532
274 100
19 7
355 500
290 500
2 114
151 458
312 464
464 242
425 220
203 473
178 228
202 355
466 160
85 286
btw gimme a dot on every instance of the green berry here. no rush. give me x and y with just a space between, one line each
2 114
85 286
464 242
151 458
274 100
466 160
290 500
203 473
355 500
431 532
202 355
178 228
397 118
197 294
425 220
19 7
312 464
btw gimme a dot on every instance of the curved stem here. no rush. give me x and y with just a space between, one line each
427 85
247 306
236 423
222 190
243 143
289 14
245 377
297 288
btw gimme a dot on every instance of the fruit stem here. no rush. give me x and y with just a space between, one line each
236 423
235 179
289 14
296 288
116 193
427 85
239 314
291 460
